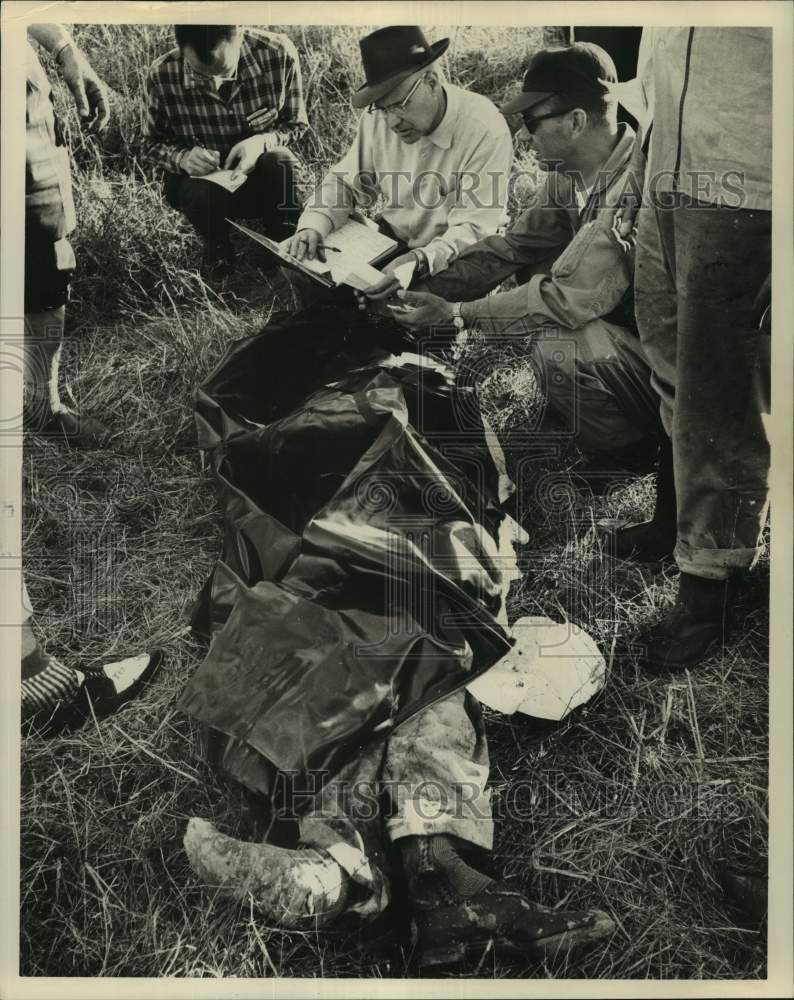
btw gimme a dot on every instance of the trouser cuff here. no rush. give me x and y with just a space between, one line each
714 564
422 818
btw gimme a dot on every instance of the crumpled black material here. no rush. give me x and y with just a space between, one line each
359 577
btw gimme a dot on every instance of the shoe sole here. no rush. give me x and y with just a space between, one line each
554 947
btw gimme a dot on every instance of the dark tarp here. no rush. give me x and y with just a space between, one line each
359 575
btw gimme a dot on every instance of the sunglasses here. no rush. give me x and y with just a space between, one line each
397 108
531 121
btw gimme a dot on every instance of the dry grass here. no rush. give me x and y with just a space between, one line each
632 805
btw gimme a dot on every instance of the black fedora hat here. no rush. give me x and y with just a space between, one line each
391 55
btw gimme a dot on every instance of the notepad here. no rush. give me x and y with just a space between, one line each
360 248
229 179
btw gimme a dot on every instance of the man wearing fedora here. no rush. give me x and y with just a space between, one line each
438 155
575 276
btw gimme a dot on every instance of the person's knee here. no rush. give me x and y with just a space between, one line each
278 158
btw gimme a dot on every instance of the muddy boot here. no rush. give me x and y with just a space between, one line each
651 540
697 624
298 889
459 913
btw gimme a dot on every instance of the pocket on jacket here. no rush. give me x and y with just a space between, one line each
571 257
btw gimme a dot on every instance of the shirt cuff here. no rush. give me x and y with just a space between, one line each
438 255
316 220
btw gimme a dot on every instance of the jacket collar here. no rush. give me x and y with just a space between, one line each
561 186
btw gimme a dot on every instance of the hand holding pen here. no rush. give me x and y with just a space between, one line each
199 160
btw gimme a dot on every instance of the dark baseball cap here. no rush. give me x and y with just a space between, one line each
573 71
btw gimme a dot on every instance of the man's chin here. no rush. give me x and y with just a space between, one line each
409 137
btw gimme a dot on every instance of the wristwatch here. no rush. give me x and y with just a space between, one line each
457 319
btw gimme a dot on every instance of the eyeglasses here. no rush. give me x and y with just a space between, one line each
531 121
399 107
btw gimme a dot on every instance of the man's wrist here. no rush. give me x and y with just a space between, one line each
422 263
58 50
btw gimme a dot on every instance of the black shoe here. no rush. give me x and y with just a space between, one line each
649 541
79 431
105 691
503 919
698 623
603 472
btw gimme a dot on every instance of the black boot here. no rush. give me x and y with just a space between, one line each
651 540
459 913
699 620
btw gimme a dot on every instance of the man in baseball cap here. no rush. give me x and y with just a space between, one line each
558 81
574 273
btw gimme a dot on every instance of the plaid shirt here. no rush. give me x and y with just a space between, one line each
184 109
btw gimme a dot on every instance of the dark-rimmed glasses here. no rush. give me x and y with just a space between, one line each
531 121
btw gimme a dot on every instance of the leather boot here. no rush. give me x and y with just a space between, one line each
459 913
651 540
699 620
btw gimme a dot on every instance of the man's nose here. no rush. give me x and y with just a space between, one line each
523 134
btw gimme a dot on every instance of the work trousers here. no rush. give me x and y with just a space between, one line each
596 384
269 195
428 777
699 270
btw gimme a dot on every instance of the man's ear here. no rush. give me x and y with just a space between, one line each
579 122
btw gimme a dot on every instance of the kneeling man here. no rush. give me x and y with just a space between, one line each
575 275
227 99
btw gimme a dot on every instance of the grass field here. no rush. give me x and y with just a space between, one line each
632 805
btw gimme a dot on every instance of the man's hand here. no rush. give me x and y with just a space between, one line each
388 285
245 153
88 91
418 310
199 161
306 244
625 220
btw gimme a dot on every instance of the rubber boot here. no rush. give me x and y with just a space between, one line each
651 540
697 624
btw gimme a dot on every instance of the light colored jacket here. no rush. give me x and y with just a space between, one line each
441 193
708 93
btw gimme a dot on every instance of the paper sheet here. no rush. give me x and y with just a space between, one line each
229 179
404 273
552 669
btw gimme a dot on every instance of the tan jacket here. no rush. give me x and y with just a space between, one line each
570 264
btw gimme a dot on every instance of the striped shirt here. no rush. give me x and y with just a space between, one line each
185 109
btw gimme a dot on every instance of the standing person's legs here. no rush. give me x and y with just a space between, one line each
720 447
699 269
49 265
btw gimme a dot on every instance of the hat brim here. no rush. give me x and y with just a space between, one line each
526 99
369 93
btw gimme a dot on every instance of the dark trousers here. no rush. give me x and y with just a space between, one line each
699 270
269 195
